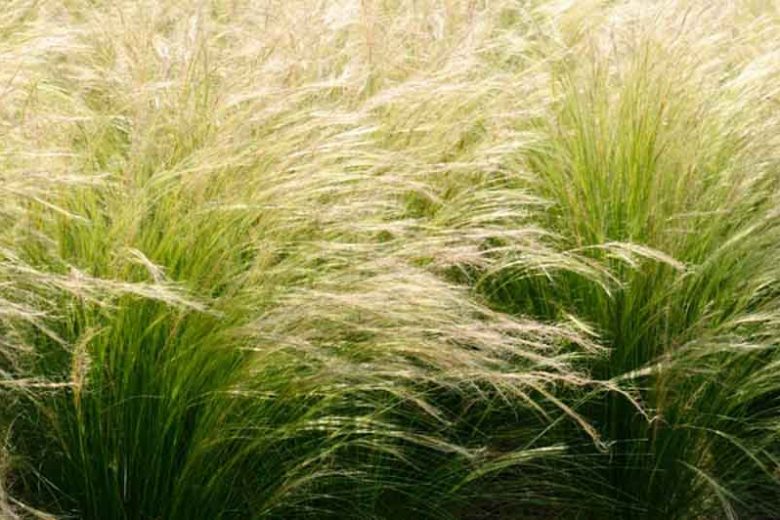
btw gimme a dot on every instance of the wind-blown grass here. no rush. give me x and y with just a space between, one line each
389 260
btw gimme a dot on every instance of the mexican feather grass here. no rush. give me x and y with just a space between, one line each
389 259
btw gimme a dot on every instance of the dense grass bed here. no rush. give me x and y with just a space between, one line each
390 259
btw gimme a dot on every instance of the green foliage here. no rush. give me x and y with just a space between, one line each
408 259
